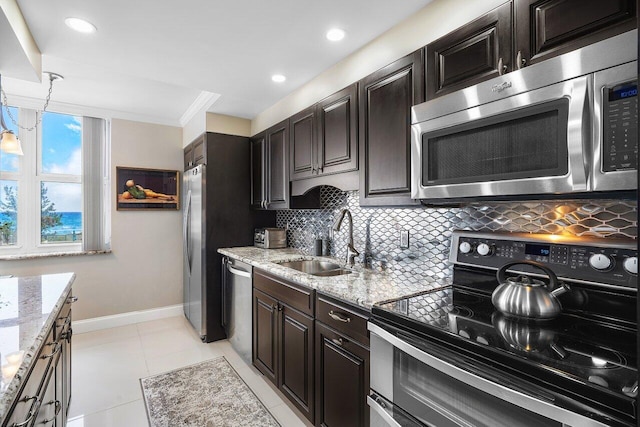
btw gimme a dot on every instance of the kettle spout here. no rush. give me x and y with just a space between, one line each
563 288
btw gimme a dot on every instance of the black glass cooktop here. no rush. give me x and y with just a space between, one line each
587 351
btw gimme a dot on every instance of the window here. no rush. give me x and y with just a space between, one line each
42 207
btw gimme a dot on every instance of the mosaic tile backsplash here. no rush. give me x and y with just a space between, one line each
376 231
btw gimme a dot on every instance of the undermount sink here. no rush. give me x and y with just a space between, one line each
316 268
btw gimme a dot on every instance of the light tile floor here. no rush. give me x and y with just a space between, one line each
108 364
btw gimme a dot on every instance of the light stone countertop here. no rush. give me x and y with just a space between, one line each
28 309
364 287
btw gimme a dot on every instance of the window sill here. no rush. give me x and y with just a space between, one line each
51 255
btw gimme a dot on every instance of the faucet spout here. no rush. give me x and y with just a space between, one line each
351 250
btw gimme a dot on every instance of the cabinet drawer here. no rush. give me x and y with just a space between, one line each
30 399
343 318
63 321
293 295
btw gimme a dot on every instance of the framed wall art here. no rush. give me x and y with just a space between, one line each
138 189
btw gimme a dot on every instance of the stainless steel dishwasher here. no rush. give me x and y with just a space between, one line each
236 307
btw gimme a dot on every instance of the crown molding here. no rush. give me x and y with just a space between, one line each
203 101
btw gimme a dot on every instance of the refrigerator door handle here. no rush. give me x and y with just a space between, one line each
225 263
186 231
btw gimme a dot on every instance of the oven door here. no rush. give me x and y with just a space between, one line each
534 142
431 388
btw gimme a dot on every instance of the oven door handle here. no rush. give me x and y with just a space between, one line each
377 407
517 397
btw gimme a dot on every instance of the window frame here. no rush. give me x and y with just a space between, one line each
29 180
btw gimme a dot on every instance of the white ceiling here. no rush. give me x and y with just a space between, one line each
152 58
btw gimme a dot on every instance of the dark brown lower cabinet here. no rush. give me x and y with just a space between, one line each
296 358
265 320
283 339
342 380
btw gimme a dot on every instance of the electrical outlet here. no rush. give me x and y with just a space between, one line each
404 239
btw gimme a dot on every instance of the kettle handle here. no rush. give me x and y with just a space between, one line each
553 279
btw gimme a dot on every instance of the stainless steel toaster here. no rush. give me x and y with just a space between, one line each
270 238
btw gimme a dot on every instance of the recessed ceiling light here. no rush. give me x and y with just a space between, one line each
278 78
335 34
80 25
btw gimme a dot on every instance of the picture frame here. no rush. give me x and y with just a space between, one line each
160 189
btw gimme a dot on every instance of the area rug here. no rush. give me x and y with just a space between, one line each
208 394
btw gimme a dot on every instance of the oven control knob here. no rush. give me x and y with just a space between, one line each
465 247
631 265
484 250
601 262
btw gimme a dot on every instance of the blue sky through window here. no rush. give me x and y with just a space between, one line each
61 144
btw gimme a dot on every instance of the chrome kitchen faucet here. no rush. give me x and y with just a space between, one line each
351 251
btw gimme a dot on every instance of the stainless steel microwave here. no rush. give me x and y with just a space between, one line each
566 125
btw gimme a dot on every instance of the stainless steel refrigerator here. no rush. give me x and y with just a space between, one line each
216 213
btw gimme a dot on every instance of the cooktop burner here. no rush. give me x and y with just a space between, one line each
590 351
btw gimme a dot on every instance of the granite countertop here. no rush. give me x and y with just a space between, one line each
364 287
28 308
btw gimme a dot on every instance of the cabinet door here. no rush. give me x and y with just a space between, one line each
546 28
302 144
200 151
277 166
338 132
265 349
258 160
188 157
471 54
296 359
386 97
342 380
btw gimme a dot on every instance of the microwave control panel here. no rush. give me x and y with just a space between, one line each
616 266
620 139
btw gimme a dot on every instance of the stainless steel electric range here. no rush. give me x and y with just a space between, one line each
447 357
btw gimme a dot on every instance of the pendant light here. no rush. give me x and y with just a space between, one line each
10 142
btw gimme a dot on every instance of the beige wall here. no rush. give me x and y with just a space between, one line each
145 269
431 22
229 125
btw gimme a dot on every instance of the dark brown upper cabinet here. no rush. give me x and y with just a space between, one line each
196 153
303 146
546 28
258 175
521 33
338 132
385 102
324 137
270 168
476 52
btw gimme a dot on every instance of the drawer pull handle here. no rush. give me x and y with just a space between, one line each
337 341
67 320
35 407
339 317
72 299
54 352
58 407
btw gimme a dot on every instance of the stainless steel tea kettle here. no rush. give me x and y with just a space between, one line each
525 297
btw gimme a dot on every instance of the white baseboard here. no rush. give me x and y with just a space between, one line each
122 319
